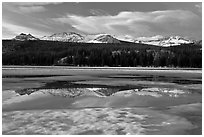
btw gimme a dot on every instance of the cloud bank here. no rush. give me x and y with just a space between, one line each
31 9
11 30
168 22
27 7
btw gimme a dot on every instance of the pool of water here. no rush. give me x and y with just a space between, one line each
101 104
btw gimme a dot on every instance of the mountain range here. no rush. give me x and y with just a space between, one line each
157 40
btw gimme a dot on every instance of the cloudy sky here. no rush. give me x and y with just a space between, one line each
132 19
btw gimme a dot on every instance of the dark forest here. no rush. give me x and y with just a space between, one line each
48 53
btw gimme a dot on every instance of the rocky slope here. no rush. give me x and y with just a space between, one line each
23 37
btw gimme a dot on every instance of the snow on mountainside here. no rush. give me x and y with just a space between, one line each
153 38
23 37
157 40
174 41
164 41
65 37
127 38
75 37
104 38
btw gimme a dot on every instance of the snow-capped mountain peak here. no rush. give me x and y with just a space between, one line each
65 37
174 41
104 38
153 38
159 40
127 38
24 37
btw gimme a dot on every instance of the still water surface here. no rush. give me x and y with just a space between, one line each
103 103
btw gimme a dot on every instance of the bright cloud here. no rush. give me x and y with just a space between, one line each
11 30
93 19
30 9
98 12
168 22
27 7
34 3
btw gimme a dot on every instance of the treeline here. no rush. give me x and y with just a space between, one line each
83 54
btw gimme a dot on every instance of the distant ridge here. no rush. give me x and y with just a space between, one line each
157 40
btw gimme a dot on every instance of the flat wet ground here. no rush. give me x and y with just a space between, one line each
101 101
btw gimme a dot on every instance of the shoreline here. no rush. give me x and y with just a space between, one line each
76 67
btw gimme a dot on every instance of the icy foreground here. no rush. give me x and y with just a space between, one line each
101 101
109 121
